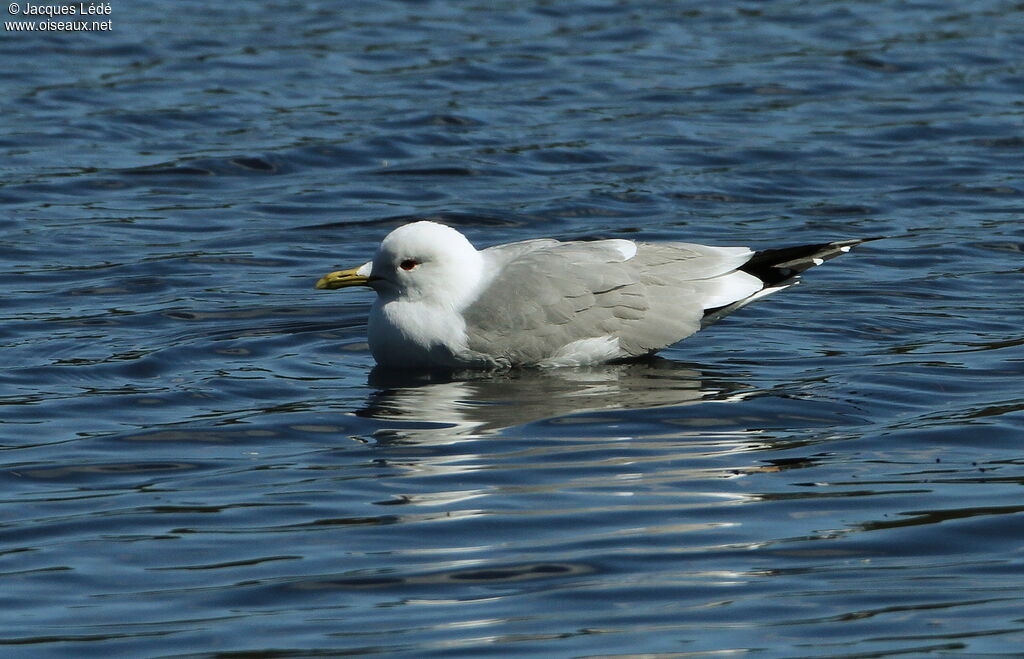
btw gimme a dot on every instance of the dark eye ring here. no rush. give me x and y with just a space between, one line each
408 264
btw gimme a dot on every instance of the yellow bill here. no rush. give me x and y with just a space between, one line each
343 279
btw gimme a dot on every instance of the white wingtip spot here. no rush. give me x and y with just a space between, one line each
818 261
845 248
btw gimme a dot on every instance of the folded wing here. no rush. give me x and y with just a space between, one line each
547 294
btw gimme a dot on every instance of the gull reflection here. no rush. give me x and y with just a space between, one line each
480 404
627 429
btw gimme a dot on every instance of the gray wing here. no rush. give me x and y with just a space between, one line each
546 294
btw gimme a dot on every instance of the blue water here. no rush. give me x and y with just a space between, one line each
198 459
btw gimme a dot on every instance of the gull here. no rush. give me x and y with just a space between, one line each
444 305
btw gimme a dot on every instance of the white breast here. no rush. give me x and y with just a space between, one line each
416 335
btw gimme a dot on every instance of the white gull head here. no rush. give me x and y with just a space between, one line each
428 263
425 274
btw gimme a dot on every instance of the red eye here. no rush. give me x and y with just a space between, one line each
408 264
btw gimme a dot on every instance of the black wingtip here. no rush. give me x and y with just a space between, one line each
777 266
780 268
